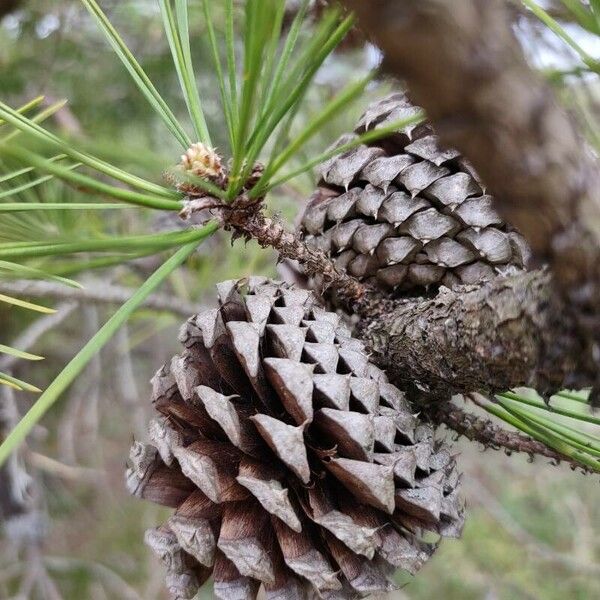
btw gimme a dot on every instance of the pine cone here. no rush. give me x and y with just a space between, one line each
405 214
289 459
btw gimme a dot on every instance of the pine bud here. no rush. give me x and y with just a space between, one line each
202 161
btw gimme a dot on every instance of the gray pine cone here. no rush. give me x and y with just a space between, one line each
406 214
290 461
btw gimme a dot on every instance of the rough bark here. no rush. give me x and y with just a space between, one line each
463 64
509 332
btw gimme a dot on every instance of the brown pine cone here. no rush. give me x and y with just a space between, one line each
290 460
406 214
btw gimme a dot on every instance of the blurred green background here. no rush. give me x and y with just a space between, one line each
533 529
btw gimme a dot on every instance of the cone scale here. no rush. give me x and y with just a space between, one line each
292 465
406 214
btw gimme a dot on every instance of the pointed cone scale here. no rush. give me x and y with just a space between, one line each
385 433
423 503
370 483
244 529
229 584
391 396
211 325
258 309
404 463
364 576
288 315
304 558
362 540
365 392
271 494
321 332
294 468
342 235
355 362
332 390
195 536
369 201
222 410
246 341
382 171
287 442
325 356
165 439
453 189
287 341
428 148
343 207
198 464
293 382
352 433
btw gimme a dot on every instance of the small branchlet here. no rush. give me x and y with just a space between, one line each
245 218
494 437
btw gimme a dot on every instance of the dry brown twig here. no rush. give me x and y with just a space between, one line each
246 219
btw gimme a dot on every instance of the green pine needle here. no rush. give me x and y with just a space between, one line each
19 353
561 32
151 242
365 138
85 182
177 32
28 305
40 134
18 384
25 272
573 433
138 74
98 341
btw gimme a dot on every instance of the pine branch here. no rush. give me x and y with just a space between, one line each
484 431
509 332
464 65
251 223
512 331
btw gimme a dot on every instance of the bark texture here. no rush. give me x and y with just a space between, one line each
463 64
509 332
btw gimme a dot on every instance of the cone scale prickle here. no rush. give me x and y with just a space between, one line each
291 463
407 215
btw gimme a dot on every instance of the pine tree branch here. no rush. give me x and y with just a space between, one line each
251 223
512 331
509 332
484 431
464 65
